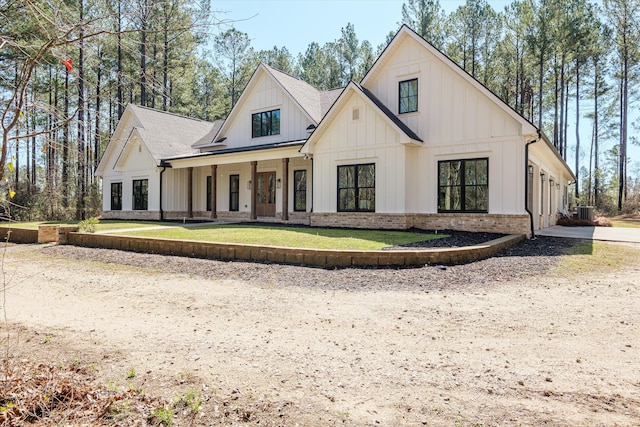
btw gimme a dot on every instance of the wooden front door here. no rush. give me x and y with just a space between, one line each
266 188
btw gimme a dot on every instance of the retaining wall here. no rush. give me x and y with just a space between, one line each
297 256
19 235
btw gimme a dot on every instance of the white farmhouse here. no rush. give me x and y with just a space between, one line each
417 143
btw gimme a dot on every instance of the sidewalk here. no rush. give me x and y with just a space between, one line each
611 234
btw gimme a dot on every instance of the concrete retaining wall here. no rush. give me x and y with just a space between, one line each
283 255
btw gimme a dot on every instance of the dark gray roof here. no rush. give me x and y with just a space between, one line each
237 150
411 134
315 102
170 135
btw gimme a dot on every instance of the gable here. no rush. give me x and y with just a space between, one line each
117 142
265 93
452 105
135 155
358 119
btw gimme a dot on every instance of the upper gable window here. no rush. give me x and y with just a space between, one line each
265 123
408 96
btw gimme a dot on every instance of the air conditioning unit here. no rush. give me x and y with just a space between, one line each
585 213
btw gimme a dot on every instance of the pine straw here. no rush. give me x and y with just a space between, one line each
42 394
598 222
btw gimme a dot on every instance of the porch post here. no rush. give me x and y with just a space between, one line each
254 189
214 192
285 189
190 193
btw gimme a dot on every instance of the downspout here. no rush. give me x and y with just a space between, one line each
164 167
526 182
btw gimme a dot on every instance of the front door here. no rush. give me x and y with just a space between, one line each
266 188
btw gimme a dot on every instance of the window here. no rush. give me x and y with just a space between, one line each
408 94
208 207
140 194
357 188
116 196
234 192
300 191
463 185
265 123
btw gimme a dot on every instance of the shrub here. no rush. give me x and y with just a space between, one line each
88 225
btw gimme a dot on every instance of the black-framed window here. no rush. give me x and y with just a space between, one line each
265 123
463 185
300 191
408 96
357 188
116 196
234 192
208 207
140 194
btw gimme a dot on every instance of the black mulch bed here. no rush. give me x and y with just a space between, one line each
525 259
455 239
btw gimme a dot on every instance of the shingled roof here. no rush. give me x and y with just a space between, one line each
315 102
168 134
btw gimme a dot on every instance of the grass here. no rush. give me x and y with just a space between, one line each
597 257
103 225
296 237
628 223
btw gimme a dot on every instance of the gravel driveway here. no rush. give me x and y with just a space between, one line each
504 341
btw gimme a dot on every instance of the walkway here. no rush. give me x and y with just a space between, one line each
611 234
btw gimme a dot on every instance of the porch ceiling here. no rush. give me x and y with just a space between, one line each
227 158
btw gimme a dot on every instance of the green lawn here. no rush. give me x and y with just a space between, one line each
596 257
298 237
103 225
629 223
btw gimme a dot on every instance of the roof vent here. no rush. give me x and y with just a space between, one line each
224 138
355 114
311 127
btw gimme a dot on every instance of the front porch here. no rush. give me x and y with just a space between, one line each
266 186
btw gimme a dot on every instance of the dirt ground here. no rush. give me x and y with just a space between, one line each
540 350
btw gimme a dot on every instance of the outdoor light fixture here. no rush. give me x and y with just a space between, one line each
249 185
542 175
530 169
557 185
278 183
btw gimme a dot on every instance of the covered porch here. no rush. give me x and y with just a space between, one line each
268 185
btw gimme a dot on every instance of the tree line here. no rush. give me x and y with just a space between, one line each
69 67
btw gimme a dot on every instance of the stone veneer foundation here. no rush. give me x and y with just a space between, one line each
487 223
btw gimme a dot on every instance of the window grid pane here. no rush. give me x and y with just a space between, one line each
208 207
356 188
300 191
140 194
463 185
234 192
408 96
265 123
116 196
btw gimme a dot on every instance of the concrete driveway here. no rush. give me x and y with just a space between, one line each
611 234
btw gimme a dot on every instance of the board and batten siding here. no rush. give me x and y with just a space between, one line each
267 95
369 139
136 163
176 184
450 108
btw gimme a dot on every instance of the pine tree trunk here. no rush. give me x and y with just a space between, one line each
96 143
65 144
120 72
81 173
577 171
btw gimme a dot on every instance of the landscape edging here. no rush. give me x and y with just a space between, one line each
325 258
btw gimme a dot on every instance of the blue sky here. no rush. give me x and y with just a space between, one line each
297 23
294 24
